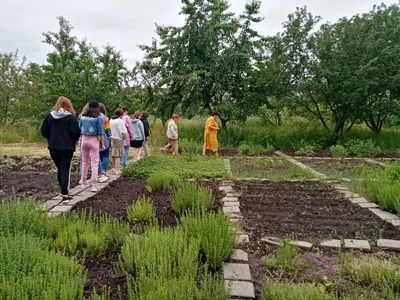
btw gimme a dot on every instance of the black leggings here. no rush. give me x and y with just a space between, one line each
62 159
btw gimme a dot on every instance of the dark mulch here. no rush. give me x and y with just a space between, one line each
308 211
113 200
36 177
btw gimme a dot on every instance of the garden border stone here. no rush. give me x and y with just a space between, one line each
389 244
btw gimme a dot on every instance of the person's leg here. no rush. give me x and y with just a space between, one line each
56 157
85 160
145 148
168 148
94 159
139 152
66 171
105 160
124 159
99 168
117 165
174 147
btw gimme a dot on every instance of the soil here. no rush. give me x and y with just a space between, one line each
113 200
26 176
308 211
233 152
327 153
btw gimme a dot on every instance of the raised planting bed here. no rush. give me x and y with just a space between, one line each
326 153
23 176
271 168
233 152
338 169
308 211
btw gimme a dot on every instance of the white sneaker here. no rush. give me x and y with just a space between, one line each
80 182
117 172
84 186
103 178
94 188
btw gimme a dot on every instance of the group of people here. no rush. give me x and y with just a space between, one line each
98 138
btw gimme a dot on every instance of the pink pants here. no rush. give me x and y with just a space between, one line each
90 147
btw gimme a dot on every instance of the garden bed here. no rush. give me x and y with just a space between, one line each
233 152
308 211
326 153
26 176
271 168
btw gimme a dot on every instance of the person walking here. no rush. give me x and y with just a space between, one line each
138 136
84 109
129 136
104 154
61 130
145 121
172 135
118 135
92 131
210 135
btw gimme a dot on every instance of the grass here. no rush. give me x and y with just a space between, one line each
302 291
271 168
284 257
20 133
182 166
191 197
159 181
141 212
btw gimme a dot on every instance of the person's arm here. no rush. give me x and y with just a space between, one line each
175 131
128 125
45 129
123 130
100 131
213 125
141 128
75 130
146 128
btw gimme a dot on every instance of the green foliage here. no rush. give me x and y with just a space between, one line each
339 151
190 146
361 148
304 291
162 180
216 236
253 149
284 257
29 271
182 166
141 212
191 197
305 148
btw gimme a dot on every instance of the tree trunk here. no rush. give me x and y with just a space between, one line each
224 122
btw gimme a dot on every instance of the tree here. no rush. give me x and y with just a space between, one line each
207 62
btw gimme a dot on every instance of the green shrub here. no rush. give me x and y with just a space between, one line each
393 173
306 148
141 212
253 149
284 257
190 196
361 148
304 291
339 151
216 236
162 180
190 146
29 271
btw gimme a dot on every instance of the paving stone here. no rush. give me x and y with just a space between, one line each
235 271
357 244
236 216
230 199
57 198
368 205
51 203
301 244
384 215
242 239
271 241
240 255
75 190
359 200
61 208
226 188
394 222
54 214
242 289
87 194
231 210
331 244
349 194
76 200
389 244
233 194
235 220
231 204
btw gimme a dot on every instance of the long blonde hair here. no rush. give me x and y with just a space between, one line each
64 103
84 110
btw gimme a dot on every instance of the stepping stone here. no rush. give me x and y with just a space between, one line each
61 209
331 244
241 289
54 214
368 205
389 244
271 241
301 244
51 203
384 215
76 200
357 244
230 199
236 216
75 190
242 239
240 255
232 194
59 198
349 194
87 194
358 200
340 187
237 271
231 210
394 222
227 188
231 204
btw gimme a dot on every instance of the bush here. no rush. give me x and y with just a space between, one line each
216 236
141 212
284 257
29 271
305 291
305 148
339 151
191 197
190 146
254 149
162 180
361 148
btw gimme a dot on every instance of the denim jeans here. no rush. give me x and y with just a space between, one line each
104 158
124 159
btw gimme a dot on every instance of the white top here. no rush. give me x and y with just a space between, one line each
172 131
118 129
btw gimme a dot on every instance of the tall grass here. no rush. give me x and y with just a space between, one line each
305 291
162 180
191 197
20 133
141 212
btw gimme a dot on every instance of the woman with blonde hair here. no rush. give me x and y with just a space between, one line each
61 130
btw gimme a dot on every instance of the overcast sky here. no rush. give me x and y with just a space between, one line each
125 24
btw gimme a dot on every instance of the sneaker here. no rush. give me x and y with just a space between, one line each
117 172
84 186
94 188
103 178
80 182
66 199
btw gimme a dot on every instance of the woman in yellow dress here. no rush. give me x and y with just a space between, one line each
210 135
